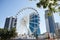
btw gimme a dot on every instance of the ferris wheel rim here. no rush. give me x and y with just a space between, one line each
23 9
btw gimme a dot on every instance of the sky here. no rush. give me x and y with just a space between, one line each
11 7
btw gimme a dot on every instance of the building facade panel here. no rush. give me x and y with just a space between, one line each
50 24
34 23
10 23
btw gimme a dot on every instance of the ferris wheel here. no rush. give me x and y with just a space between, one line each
24 15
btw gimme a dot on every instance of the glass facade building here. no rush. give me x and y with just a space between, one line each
10 22
34 23
57 29
50 24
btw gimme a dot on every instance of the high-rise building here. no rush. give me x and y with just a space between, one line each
10 22
34 23
57 25
50 24
57 29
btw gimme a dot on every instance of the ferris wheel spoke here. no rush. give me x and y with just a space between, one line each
33 27
24 20
34 23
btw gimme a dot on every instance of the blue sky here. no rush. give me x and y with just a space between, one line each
11 7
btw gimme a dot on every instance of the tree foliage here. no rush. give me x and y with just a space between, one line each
7 34
50 4
47 3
